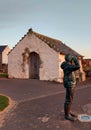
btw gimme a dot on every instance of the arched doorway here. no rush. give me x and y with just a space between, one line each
34 65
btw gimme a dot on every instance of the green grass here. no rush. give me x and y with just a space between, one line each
4 102
3 75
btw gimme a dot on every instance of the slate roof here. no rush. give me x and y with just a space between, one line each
2 48
55 44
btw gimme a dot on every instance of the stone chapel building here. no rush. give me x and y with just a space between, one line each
37 56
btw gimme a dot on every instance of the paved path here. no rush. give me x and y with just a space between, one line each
39 105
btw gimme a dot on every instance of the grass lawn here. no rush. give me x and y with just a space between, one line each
4 102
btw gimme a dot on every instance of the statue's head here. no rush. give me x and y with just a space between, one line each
68 57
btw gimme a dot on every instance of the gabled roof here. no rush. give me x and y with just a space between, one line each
2 48
55 44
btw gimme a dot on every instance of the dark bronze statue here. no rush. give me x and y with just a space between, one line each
70 65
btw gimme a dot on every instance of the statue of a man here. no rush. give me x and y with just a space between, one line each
70 65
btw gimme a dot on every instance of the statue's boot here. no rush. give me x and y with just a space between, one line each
67 108
74 115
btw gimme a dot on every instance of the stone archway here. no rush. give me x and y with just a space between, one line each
34 65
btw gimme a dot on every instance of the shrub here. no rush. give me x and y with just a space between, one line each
3 75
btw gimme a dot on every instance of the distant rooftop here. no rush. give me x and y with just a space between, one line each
2 48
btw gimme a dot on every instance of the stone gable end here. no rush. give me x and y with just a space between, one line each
19 59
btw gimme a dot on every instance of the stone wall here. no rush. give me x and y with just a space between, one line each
61 59
82 73
49 66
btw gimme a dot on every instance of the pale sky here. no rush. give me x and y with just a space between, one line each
65 20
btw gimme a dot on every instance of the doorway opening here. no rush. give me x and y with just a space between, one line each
34 65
